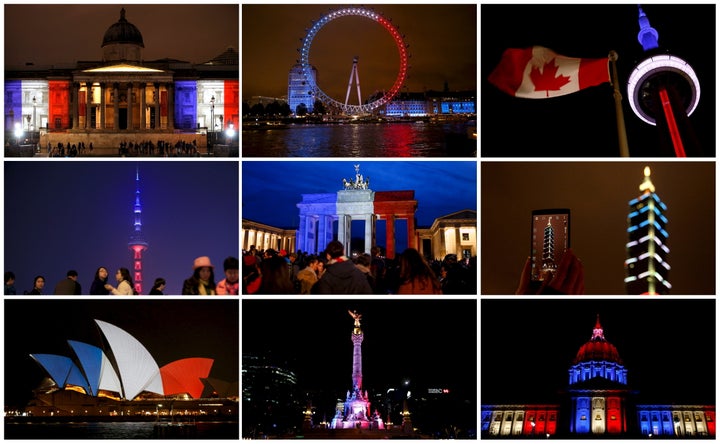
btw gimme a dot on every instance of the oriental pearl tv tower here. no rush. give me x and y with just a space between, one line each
137 244
663 90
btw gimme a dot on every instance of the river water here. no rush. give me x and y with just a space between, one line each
406 139
111 430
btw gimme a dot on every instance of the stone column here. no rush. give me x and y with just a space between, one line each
129 107
390 236
171 106
75 105
412 240
157 105
102 105
116 108
302 233
142 107
369 231
252 240
88 95
344 223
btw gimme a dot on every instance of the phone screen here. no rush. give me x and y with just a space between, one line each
550 238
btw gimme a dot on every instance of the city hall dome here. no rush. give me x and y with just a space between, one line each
597 348
122 41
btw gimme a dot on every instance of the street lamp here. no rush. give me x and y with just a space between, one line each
212 113
34 113
28 117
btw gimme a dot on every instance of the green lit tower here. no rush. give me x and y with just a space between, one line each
646 267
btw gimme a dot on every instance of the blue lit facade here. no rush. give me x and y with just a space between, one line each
598 402
299 90
646 266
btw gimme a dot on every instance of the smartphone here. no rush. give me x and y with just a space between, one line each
549 239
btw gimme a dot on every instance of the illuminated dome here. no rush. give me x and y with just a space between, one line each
597 348
597 358
122 41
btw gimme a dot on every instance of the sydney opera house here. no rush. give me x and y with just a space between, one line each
122 379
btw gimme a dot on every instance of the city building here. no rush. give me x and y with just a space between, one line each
646 266
123 98
598 402
125 380
300 96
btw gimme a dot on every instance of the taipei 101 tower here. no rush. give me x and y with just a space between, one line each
137 244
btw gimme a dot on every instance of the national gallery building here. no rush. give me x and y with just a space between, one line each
123 98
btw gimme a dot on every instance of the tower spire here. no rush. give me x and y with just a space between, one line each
648 36
137 244
598 330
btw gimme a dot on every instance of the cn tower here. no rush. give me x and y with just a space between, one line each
663 90
137 244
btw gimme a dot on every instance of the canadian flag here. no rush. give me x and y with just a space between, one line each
539 73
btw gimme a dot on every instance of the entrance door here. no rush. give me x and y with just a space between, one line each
123 118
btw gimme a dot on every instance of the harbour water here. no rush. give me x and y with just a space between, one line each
112 430
401 139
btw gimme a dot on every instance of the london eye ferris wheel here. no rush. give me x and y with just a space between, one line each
369 106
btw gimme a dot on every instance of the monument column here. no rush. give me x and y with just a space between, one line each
251 238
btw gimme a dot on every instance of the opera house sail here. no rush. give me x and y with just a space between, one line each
125 379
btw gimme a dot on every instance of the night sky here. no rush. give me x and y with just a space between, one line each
271 190
667 346
48 34
442 38
583 124
597 194
169 330
430 342
78 215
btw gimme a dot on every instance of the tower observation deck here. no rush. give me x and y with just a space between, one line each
663 90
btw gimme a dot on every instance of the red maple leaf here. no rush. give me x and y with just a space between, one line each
547 79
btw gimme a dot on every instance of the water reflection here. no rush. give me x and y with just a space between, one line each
421 139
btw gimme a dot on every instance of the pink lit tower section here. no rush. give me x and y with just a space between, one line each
137 245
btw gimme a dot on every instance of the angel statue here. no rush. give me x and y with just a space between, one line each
355 316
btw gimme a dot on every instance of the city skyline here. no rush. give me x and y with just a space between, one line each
80 216
174 31
436 57
597 194
584 124
527 361
169 329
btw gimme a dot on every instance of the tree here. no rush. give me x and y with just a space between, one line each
319 107
301 109
257 110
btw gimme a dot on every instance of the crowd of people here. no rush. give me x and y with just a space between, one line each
332 272
148 148
202 281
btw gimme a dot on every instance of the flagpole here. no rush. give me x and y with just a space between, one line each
622 135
